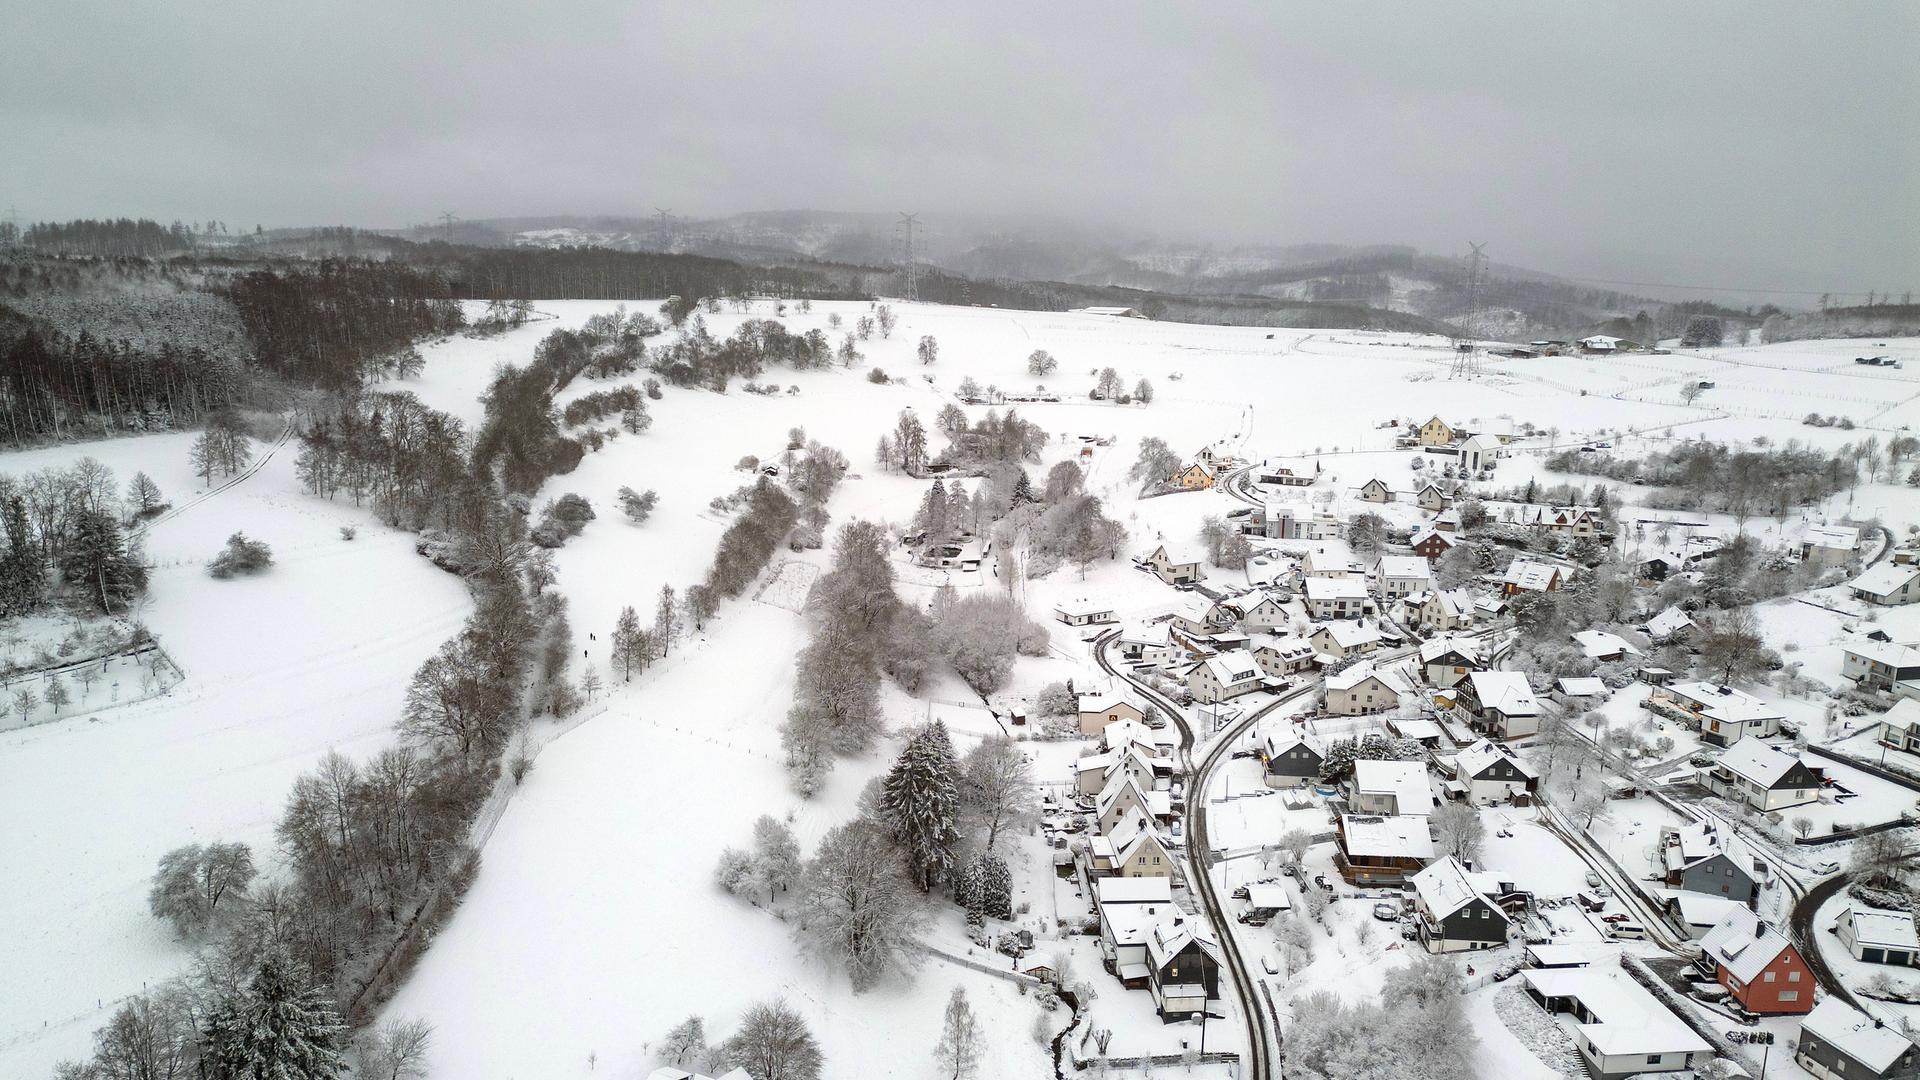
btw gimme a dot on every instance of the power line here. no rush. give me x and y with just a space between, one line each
448 217
909 222
1713 288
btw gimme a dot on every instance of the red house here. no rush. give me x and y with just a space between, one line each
1758 965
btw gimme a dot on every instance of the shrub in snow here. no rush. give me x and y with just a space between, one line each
193 882
637 505
348 532
877 376
240 556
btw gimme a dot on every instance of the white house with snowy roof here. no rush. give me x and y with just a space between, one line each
1390 787
1618 1026
1765 779
1724 715
1888 584
1878 935
1487 773
1499 703
1224 677
1361 690
1402 575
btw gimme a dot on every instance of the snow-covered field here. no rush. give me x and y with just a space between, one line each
312 656
594 925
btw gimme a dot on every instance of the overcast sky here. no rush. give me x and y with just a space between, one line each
1744 144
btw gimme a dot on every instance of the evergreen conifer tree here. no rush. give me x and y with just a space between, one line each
279 1027
921 801
97 561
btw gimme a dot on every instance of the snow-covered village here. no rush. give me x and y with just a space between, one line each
783 646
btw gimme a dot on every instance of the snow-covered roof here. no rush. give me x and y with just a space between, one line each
1414 727
1699 909
1172 935
1325 555
1475 759
1841 537
1599 643
1280 740
1892 654
1348 633
1081 606
1445 888
1885 578
1743 944
1180 554
1879 926
1402 566
1230 668
1290 647
1436 647
1529 575
1758 762
1336 588
1138 890
1583 686
1152 635
1504 691
1348 678
1668 622
1855 1034
1483 442
1105 702
1388 836
1628 1019
1724 703
1904 715
1427 532
1272 896
1406 781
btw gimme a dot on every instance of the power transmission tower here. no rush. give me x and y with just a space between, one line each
908 223
12 234
1466 345
448 217
665 217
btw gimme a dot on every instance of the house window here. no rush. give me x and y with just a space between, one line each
1793 976
1768 977
1653 1059
1789 995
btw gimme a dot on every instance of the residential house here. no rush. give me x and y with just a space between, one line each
1724 715
1290 760
962 553
1360 690
1447 521
1133 849
1376 491
1887 584
1176 564
1662 566
682 1074
1478 453
1194 477
1402 575
1453 915
1582 692
1278 474
1329 558
1879 665
1094 772
1600 343
1448 660
1280 657
1380 851
1698 913
1264 610
1700 858
1431 498
1764 778
1195 614
1829 545
1443 609
1430 543
1151 645
1435 432
1604 647
1099 710
1489 773
1878 936
1499 703
1128 909
1620 1028
1839 1042
1758 965
1349 637
1671 624
1183 969
1336 597
1224 676
1124 798
1900 726
1085 612
1572 520
1390 787
1526 575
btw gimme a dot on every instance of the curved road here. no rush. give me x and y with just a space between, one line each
1260 1041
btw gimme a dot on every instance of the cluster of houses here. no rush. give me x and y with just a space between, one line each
1147 940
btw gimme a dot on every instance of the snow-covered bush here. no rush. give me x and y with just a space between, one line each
240 556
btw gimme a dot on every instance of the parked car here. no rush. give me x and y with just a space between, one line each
1632 931
1593 879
